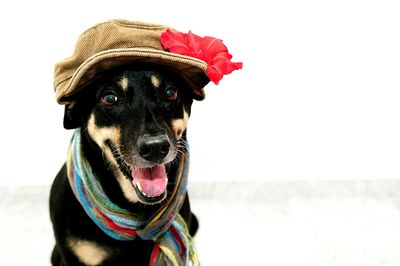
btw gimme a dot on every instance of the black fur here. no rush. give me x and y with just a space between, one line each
141 109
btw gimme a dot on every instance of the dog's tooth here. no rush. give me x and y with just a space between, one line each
139 186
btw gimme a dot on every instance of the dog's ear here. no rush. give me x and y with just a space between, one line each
77 109
72 118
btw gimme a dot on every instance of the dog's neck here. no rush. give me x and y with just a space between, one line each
166 227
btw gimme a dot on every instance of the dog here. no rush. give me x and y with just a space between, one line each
132 122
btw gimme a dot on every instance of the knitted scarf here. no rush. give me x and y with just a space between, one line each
173 245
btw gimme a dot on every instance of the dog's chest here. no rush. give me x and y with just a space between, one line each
89 252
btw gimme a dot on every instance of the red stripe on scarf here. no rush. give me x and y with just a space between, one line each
114 226
179 241
154 255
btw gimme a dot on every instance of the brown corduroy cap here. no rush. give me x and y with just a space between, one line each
118 42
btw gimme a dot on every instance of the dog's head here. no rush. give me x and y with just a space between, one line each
137 117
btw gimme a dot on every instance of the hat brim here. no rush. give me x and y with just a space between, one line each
192 70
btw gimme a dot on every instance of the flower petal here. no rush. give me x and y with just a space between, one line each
221 67
175 42
209 49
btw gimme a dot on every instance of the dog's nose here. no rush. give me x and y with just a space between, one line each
153 147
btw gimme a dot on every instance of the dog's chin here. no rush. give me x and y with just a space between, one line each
149 180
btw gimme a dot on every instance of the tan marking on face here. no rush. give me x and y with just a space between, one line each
125 185
179 125
100 135
155 81
124 83
88 252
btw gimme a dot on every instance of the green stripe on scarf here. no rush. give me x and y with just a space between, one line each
172 243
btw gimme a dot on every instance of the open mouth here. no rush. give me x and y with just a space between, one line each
149 183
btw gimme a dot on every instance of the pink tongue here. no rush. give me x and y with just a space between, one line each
152 181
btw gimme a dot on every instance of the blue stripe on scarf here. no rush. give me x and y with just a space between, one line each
89 211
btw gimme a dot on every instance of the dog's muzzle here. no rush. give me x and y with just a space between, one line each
150 182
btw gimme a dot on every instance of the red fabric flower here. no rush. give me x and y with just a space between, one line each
209 49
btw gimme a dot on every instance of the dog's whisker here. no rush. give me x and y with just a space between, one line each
183 144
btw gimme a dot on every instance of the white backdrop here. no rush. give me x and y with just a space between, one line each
318 97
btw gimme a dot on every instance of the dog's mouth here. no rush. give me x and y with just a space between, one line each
150 183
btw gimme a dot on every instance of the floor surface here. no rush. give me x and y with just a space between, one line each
314 223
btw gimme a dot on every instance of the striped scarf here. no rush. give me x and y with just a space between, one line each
173 245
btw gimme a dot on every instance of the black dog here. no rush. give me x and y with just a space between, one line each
131 119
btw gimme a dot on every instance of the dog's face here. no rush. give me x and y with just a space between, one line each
138 119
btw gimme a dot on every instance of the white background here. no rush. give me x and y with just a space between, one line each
318 97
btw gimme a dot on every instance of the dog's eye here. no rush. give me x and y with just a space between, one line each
109 99
171 93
